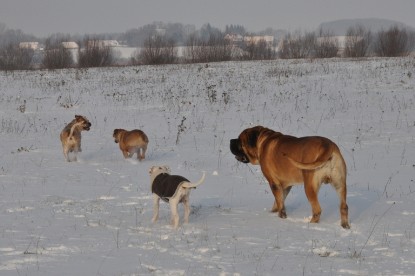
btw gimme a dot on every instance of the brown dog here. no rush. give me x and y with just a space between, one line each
286 161
71 136
134 141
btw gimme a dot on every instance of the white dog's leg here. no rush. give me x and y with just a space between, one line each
186 207
156 205
174 213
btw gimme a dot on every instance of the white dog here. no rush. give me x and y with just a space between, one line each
172 189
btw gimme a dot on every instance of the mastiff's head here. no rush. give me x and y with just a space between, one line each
245 146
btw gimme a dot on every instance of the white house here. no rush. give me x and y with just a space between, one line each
237 39
29 45
234 38
70 45
268 39
103 43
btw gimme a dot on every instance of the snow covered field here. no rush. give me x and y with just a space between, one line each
93 217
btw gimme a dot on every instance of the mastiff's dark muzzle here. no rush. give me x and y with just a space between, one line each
236 149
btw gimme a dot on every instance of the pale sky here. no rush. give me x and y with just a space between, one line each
45 17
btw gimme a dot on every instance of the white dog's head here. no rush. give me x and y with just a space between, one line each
156 170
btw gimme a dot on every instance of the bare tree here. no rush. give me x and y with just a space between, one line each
259 50
394 42
12 57
213 49
190 52
55 55
358 40
95 54
298 45
218 48
157 50
327 45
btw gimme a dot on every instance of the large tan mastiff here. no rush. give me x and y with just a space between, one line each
286 161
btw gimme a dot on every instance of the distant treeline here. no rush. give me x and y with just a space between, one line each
159 43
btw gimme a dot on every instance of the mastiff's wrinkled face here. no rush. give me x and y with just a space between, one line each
236 149
245 146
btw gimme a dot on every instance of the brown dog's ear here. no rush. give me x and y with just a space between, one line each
253 137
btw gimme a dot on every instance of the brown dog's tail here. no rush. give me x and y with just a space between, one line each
194 185
72 130
320 162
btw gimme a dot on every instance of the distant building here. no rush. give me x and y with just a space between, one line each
240 40
161 32
29 45
103 43
234 38
268 39
70 45
73 48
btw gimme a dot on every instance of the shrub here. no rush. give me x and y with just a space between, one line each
297 46
358 40
214 49
95 54
14 58
157 50
56 56
394 42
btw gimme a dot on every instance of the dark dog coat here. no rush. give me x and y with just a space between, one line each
166 185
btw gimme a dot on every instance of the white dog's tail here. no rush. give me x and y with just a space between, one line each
194 185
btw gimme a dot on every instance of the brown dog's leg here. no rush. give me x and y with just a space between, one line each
143 153
311 191
126 154
344 213
287 191
344 209
279 195
65 153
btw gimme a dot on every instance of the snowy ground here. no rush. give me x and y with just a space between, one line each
93 217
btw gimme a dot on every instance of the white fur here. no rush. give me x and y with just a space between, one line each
182 195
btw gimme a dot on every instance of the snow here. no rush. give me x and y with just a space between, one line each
93 217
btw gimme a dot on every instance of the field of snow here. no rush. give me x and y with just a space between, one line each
93 217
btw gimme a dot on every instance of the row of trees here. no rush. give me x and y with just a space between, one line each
358 42
55 56
158 50
210 45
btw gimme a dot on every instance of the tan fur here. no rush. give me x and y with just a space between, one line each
71 136
286 161
134 141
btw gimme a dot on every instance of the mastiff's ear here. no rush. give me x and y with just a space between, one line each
253 137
